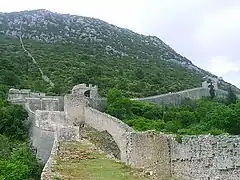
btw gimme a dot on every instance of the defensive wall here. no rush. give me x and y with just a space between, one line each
195 158
178 98
169 99
47 119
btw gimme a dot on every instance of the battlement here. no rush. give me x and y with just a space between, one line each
19 91
83 85
36 101
23 94
87 90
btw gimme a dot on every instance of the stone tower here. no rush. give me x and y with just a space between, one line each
86 90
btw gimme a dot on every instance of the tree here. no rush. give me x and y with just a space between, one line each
12 121
118 105
231 97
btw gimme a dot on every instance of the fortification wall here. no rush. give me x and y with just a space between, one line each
45 103
81 89
18 94
60 101
150 151
49 126
197 157
74 108
206 157
36 101
44 129
47 172
116 128
179 97
48 104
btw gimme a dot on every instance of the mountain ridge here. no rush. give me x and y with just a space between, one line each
51 27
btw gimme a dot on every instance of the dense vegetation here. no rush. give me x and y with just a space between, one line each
17 161
68 64
214 116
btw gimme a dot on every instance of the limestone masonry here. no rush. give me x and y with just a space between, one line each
59 118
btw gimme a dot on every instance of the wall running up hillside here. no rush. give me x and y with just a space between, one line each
178 98
197 157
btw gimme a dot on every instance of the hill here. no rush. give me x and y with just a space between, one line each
71 49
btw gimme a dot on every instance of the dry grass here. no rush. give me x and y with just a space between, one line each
82 161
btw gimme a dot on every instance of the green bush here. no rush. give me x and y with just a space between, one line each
16 159
13 121
203 116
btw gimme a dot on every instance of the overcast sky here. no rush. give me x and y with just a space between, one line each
205 31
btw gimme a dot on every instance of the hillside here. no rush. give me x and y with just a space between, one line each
73 49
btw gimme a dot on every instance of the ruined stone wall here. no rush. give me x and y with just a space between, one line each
37 101
80 89
196 158
47 172
18 94
49 126
49 104
60 101
206 157
74 108
116 128
150 151
179 97
44 129
147 150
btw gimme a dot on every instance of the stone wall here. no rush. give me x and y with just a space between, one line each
49 104
116 128
196 158
179 97
37 101
60 101
150 151
44 128
147 150
74 107
47 172
206 157
80 89
18 94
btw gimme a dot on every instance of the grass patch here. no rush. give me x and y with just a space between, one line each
82 161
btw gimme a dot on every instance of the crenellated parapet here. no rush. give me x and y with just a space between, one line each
23 94
87 90
36 101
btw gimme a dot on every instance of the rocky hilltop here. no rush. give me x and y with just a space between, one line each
50 27
101 38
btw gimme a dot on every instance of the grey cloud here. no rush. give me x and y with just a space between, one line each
178 28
